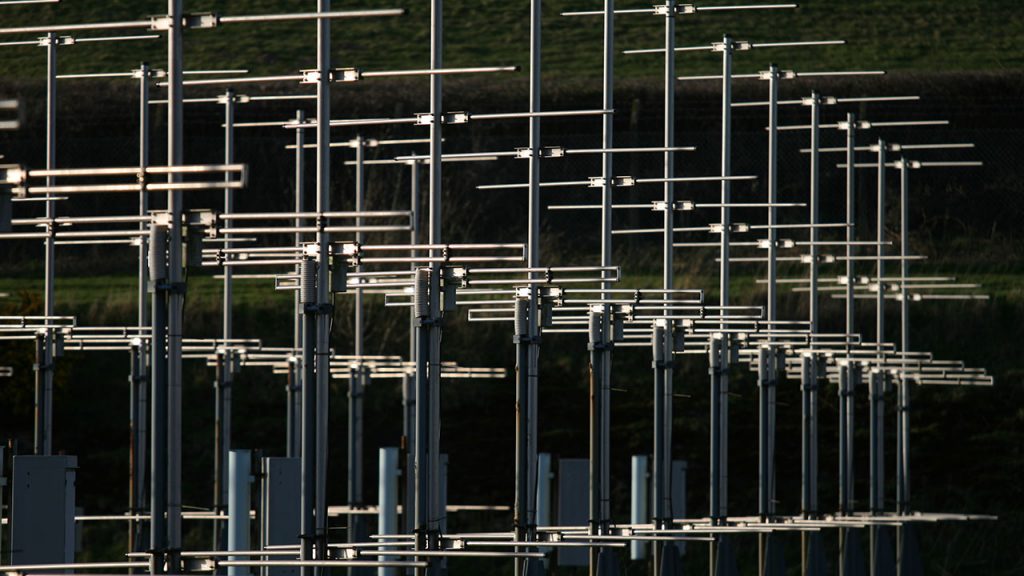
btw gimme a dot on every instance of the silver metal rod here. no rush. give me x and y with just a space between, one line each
319 16
50 260
142 359
903 408
297 382
57 28
719 368
223 392
662 339
358 373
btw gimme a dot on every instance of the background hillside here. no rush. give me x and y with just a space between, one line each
914 35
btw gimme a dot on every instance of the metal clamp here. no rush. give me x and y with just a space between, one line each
668 10
616 181
201 20
426 118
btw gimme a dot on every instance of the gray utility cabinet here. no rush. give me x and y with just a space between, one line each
573 505
280 493
43 509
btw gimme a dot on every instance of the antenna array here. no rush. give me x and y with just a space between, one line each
320 253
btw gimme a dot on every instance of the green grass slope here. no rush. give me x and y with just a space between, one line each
917 35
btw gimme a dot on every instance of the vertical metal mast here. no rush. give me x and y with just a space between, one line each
813 418
324 310
358 372
809 362
527 367
522 480
140 360
880 262
877 384
533 259
409 510
607 132
720 375
225 360
661 485
595 344
767 357
158 465
604 415
176 296
903 423
294 417
851 235
44 408
847 375
767 489
427 310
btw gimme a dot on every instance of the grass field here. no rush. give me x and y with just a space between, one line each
906 35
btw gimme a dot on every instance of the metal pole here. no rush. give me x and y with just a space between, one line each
903 431
295 386
720 432
600 416
773 193
324 313
852 383
432 404
355 453
40 387
533 260
522 467
768 372
607 133
844 377
605 427
408 434
809 362
807 382
847 383
715 369
877 382
421 308
356 381
661 485
47 366
387 496
814 299
226 361
176 296
220 463
133 417
409 381
763 383
851 215
526 319
595 342
143 315
307 497
878 457
880 265
903 401
659 482
814 302
158 354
